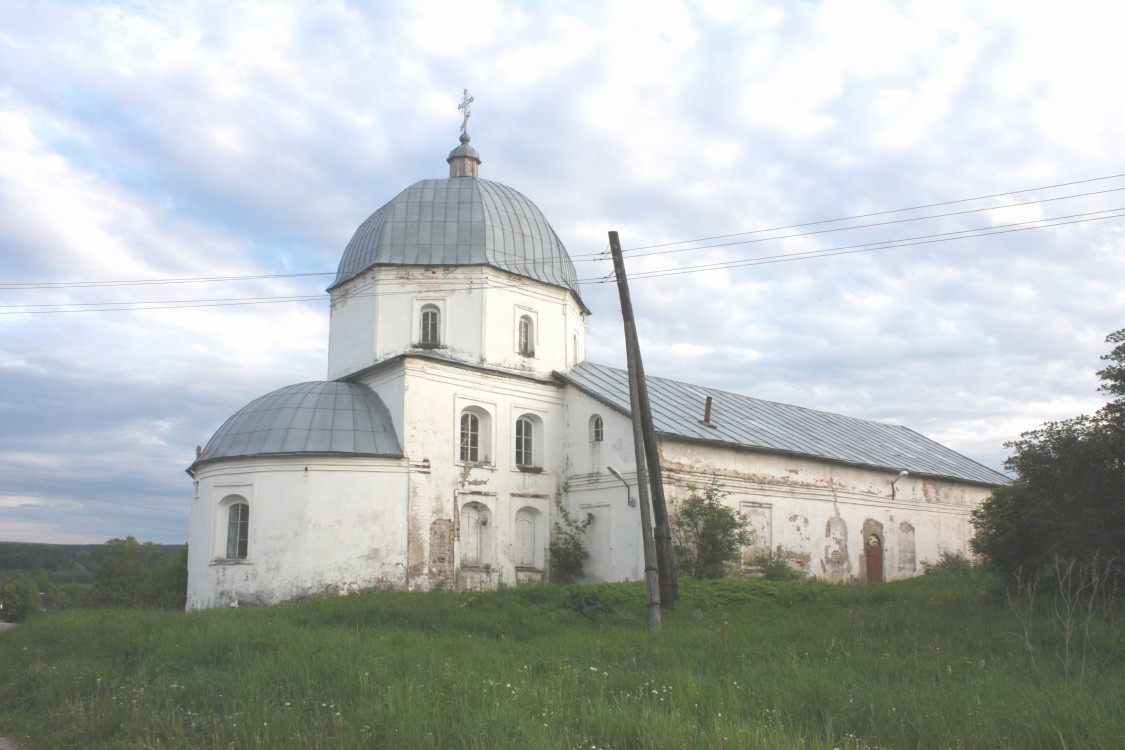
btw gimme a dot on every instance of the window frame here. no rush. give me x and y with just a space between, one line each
597 429
238 531
525 442
525 336
468 412
469 450
429 330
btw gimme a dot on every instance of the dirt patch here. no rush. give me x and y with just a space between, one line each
6 626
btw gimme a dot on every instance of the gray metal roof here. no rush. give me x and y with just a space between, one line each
677 410
318 417
460 221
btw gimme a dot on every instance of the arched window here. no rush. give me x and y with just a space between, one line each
431 326
596 430
526 336
525 442
470 437
474 434
238 531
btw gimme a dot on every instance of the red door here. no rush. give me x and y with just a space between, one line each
874 551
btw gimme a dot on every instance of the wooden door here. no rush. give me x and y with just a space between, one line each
873 549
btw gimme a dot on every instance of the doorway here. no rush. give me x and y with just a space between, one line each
873 551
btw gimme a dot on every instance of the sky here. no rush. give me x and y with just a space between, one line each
212 160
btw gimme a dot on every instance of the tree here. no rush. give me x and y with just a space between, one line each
132 574
1068 499
123 563
20 596
708 535
165 584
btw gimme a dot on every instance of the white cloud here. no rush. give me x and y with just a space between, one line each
210 139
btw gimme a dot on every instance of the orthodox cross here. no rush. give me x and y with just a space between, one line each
466 102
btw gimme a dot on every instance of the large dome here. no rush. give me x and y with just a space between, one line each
317 417
460 221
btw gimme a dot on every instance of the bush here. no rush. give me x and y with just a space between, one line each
20 596
949 564
708 536
567 550
775 566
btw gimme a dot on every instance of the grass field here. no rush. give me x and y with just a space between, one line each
935 662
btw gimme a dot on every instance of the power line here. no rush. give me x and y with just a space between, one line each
139 305
723 265
868 247
145 282
16 286
890 211
848 229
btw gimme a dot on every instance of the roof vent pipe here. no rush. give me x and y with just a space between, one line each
706 421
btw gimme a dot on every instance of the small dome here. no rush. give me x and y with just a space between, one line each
319 417
460 221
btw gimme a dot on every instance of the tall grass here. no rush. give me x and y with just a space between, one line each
930 663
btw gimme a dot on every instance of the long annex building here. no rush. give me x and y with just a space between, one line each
459 412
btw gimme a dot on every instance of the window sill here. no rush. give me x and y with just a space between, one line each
429 346
228 561
477 465
530 469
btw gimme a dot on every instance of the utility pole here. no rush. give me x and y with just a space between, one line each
652 579
642 417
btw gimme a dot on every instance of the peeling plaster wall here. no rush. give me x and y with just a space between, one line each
435 394
819 510
318 525
815 510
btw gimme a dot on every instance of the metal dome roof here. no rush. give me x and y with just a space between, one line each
460 221
318 417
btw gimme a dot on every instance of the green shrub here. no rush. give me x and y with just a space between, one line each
20 596
567 550
949 564
708 535
775 566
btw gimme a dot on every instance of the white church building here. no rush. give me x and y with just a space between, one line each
460 411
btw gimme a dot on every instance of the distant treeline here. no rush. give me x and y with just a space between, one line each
64 563
119 573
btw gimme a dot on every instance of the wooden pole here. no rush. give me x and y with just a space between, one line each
642 419
652 578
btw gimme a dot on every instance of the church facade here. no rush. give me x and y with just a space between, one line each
460 412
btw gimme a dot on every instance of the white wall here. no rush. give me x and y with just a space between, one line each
376 316
614 538
317 524
441 485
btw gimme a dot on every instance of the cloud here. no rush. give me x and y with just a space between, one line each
170 140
